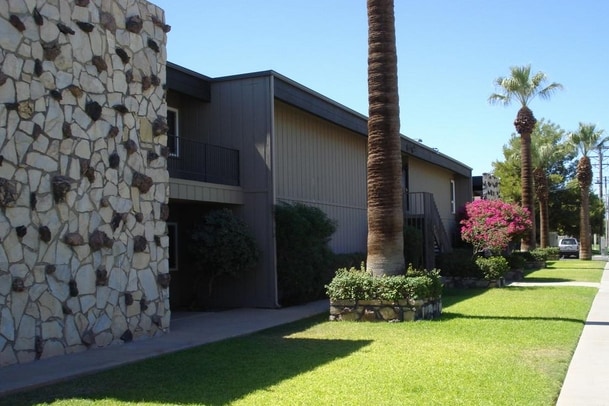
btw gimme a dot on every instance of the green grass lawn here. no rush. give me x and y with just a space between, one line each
568 271
508 346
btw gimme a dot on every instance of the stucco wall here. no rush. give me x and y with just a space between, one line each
83 179
424 177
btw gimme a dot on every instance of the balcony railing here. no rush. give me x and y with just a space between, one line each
420 211
194 160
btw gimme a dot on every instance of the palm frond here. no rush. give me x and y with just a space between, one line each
522 87
587 138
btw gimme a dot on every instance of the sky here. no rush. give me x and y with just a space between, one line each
449 54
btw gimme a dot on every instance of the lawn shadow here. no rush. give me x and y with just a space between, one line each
451 296
453 315
539 279
213 374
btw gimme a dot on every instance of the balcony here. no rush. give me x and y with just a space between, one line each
198 161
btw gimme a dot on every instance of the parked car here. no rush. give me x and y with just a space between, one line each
568 247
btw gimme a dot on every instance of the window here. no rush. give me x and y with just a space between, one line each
452 197
173 141
172 233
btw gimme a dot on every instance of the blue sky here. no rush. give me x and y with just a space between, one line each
449 53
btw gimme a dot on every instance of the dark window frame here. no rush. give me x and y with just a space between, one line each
173 132
172 233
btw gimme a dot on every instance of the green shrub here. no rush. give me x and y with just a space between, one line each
359 284
304 260
493 267
516 261
221 244
543 254
553 253
460 262
430 279
526 255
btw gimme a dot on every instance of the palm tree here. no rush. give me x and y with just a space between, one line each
385 216
543 152
521 86
586 139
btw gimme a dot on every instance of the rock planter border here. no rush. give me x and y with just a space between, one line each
385 310
479 283
472 283
535 264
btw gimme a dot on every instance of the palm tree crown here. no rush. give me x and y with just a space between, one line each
523 87
587 138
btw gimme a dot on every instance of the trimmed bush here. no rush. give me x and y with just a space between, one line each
533 259
304 260
359 284
459 263
543 254
553 253
516 261
493 267
526 255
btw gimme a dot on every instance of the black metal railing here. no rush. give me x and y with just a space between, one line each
195 160
420 211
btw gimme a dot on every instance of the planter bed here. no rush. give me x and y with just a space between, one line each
385 310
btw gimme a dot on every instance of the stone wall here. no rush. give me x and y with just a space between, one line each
83 179
385 310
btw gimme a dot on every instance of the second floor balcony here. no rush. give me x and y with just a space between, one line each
202 162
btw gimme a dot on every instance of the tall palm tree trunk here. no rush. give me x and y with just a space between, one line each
385 254
585 248
584 177
541 190
525 123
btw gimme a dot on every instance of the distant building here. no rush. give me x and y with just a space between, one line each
486 187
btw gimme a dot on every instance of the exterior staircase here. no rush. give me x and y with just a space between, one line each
421 212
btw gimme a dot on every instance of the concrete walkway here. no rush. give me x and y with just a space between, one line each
587 381
585 384
187 331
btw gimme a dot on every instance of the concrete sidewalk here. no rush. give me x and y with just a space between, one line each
587 378
187 331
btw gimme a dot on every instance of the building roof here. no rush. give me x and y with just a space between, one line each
302 97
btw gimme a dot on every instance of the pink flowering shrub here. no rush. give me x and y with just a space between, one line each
492 224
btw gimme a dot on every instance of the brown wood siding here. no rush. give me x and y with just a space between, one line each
323 165
239 116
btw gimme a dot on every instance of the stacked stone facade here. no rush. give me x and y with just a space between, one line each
83 179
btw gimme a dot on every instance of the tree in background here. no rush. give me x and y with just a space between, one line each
547 149
551 157
564 211
523 87
508 171
493 224
385 255
586 139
